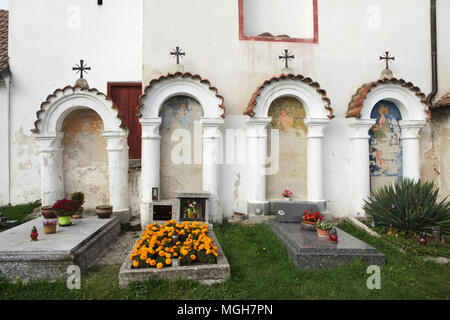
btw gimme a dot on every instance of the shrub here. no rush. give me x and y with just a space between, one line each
78 197
410 206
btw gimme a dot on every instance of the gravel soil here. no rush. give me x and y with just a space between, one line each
118 251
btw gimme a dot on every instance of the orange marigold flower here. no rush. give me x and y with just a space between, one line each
153 263
135 263
193 257
159 265
168 262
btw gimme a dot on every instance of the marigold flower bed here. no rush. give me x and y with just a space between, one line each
161 244
193 244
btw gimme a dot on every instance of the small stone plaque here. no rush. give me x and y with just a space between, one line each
291 211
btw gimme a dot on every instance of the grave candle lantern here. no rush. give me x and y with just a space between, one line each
34 234
155 194
423 239
333 235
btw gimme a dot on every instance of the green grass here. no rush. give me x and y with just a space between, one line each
411 244
19 212
262 274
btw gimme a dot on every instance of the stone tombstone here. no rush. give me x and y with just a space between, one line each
202 201
292 211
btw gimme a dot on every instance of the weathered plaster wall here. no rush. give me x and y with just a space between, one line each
288 115
130 41
443 47
46 39
86 158
435 152
352 35
179 169
134 191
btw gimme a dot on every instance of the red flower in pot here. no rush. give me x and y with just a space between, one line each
311 216
65 209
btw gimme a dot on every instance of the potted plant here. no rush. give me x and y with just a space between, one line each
287 195
78 197
47 212
311 217
50 226
104 211
324 228
65 209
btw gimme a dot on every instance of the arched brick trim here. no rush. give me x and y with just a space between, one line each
283 77
357 103
180 75
70 90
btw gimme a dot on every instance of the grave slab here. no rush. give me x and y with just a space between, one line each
309 251
49 257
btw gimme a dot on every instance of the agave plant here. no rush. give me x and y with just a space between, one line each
411 206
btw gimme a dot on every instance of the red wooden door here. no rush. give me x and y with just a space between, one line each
126 97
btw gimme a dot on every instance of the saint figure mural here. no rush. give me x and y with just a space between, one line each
385 153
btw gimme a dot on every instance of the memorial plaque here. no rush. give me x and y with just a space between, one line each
292 211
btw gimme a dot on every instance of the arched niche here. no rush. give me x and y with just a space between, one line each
288 118
385 146
85 157
318 111
181 146
155 95
49 133
413 108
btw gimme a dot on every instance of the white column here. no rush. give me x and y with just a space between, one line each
315 156
150 164
212 159
52 174
411 148
5 142
359 137
117 148
257 151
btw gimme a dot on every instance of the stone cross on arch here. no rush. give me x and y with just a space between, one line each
81 68
177 52
286 57
387 57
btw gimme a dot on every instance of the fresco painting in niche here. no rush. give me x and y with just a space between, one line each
86 158
288 116
385 152
179 112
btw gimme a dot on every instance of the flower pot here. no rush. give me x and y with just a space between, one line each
78 214
323 233
50 229
310 223
48 213
287 199
65 221
104 213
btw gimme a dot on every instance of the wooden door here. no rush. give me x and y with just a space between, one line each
126 97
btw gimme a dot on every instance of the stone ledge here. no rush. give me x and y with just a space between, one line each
50 259
206 274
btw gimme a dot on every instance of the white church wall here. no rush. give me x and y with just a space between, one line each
47 38
131 42
443 46
352 36
4 142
